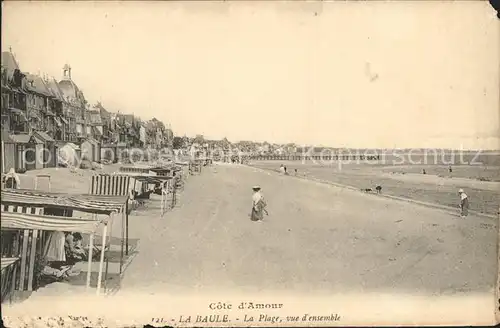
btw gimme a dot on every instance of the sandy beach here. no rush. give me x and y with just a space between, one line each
407 181
317 241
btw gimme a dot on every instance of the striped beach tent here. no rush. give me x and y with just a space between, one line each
114 185
12 221
24 244
152 179
8 276
94 204
110 185
98 204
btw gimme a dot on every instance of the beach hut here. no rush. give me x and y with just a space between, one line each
26 149
63 204
47 154
87 147
32 232
97 151
109 153
93 147
122 152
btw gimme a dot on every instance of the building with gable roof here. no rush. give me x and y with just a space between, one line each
62 129
38 105
108 131
75 104
14 115
95 123
42 119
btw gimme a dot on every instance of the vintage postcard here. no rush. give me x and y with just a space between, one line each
242 163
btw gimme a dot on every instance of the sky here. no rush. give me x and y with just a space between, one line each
341 74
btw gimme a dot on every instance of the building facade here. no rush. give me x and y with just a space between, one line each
40 115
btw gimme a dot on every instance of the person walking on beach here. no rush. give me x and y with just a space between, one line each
258 205
464 203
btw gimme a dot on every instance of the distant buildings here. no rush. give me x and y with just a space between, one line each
40 115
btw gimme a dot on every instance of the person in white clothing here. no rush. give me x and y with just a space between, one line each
12 180
464 203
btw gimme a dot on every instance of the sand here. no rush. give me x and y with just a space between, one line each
318 241
484 196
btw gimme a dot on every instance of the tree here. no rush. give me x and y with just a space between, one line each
178 143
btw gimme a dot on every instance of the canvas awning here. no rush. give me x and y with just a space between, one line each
44 136
79 202
160 170
149 178
8 261
21 221
93 141
16 89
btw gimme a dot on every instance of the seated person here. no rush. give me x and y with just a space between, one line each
73 247
12 180
50 274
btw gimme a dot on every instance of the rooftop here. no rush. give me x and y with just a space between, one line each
44 136
10 63
36 84
54 88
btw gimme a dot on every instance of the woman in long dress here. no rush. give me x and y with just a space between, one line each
258 205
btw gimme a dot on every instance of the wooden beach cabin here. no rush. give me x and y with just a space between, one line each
28 148
89 149
122 153
48 155
109 153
